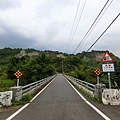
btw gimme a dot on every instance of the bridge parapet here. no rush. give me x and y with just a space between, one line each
5 98
111 97
31 89
36 86
94 91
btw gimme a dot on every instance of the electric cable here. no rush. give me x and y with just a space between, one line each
78 22
102 33
93 24
73 24
96 23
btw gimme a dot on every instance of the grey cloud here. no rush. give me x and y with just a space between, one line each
6 4
12 39
49 23
49 7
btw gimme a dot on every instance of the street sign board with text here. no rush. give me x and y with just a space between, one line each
108 67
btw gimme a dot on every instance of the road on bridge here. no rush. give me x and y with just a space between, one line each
58 101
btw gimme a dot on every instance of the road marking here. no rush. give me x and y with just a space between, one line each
22 108
96 109
17 112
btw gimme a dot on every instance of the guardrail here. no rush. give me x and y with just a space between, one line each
35 84
83 83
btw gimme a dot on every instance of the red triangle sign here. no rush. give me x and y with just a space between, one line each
107 57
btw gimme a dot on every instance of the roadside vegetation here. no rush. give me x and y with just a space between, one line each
25 99
48 63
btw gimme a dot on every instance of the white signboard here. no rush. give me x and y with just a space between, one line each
108 67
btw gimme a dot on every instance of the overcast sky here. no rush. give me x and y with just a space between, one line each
46 25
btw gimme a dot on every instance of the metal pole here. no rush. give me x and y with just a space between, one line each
109 80
18 82
62 67
97 79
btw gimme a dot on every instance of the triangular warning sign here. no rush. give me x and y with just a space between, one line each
107 57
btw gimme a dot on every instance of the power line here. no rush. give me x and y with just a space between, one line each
100 35
93 24
96 22
73 24
78 22
103 33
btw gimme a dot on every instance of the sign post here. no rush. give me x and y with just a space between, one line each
109 80
97 72
98 79
18 75
18 82
108 67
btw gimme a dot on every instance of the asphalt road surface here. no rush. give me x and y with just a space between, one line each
58 102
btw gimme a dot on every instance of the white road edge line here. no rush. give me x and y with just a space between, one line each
96 109
17 112
22 108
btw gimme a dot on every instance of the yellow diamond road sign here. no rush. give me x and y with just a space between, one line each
98 71
18 74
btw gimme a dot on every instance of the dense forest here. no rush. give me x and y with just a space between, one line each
46 63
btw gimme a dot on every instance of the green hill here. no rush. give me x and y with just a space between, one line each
35 65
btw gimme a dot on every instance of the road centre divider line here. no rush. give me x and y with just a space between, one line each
96 109
22 108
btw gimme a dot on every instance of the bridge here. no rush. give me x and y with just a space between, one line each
59 100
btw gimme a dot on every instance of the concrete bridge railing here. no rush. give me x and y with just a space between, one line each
31 89
94 91
17 92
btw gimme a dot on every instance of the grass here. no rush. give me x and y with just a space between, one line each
25 99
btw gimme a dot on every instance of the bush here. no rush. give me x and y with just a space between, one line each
6 84
25 99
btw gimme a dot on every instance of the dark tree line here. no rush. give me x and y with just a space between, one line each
47 63
33 69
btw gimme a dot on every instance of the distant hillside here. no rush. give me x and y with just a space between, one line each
6 52
36 65
93 55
